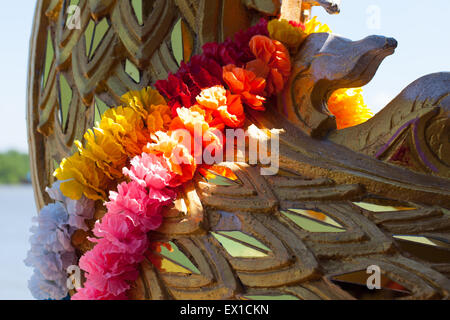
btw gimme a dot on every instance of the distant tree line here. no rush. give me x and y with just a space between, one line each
14 168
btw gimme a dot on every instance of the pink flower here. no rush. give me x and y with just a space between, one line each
131 199
108 269
120 231
91 293
142 207
149 171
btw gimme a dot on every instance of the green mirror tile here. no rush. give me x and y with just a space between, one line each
318 216
89 36
132 71
423 240
425 248
178 258
237 249
65 100
169 266
177 42
310 224
94 34
100 109
242 237
220 181
380 208
138 12
49 56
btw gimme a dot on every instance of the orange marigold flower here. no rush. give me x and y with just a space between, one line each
194 119
246 84
349 107
159 119
191 119
232 113
272 63
225 106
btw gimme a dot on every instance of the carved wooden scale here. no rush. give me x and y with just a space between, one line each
374 194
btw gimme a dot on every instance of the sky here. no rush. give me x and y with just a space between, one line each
421 28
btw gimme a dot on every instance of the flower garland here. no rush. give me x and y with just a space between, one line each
137 150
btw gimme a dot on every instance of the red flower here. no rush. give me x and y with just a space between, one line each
176 91
242 40
223 53
297 25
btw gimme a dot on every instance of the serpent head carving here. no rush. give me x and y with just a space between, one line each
325 63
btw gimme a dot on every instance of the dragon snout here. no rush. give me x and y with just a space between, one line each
334 8
391 43
331 6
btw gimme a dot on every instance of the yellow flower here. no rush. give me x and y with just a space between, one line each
314 26
286 33
127 127
122 133
349 108
100 161
80 177
103 149
151 106
144 101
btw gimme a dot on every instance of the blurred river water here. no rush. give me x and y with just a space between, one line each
17 208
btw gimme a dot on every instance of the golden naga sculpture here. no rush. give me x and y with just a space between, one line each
343 200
